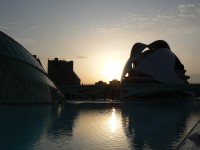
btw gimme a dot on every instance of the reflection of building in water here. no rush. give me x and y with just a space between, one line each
22 77
21 126
62 122
64 118
62 73
155 126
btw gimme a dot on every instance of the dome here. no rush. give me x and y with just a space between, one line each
22 77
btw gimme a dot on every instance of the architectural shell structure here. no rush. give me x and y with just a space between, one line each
22 78
153 63
154 71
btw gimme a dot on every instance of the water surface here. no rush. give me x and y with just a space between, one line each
94 126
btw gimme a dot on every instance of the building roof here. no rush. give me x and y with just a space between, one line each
12 49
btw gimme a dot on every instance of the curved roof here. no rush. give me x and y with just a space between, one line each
160 65
12 49
158 61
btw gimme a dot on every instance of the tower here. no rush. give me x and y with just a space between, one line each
62 73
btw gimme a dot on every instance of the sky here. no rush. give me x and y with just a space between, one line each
98 34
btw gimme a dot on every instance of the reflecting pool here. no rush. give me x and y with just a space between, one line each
97 125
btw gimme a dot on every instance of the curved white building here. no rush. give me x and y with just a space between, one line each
153 63
154 71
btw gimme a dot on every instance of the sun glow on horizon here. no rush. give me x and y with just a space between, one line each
112 70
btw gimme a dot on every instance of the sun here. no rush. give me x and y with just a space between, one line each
112 70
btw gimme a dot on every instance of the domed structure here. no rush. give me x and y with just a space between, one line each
153 63
22 78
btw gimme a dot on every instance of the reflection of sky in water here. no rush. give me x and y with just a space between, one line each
96 126
101 128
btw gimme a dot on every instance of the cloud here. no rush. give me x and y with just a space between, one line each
109 28
81 57
3 27
189 11
31 29
186 8
184 19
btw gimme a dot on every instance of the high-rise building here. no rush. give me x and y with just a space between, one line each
62 73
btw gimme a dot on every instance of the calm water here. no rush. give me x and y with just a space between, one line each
94 126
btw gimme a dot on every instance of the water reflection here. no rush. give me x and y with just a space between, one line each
113 121
156 126
22 126
61 122
96 125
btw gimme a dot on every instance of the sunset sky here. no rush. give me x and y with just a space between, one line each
98 34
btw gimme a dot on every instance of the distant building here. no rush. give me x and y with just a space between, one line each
62 73
100 83
37 58
115 82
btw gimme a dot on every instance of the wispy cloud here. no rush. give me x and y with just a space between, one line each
31 29
3 27
110 28
10 25
81 57
186 8
184 19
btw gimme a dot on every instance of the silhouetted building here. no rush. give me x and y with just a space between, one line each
37 58
22 78
153 63
115 82
62 73
100 83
